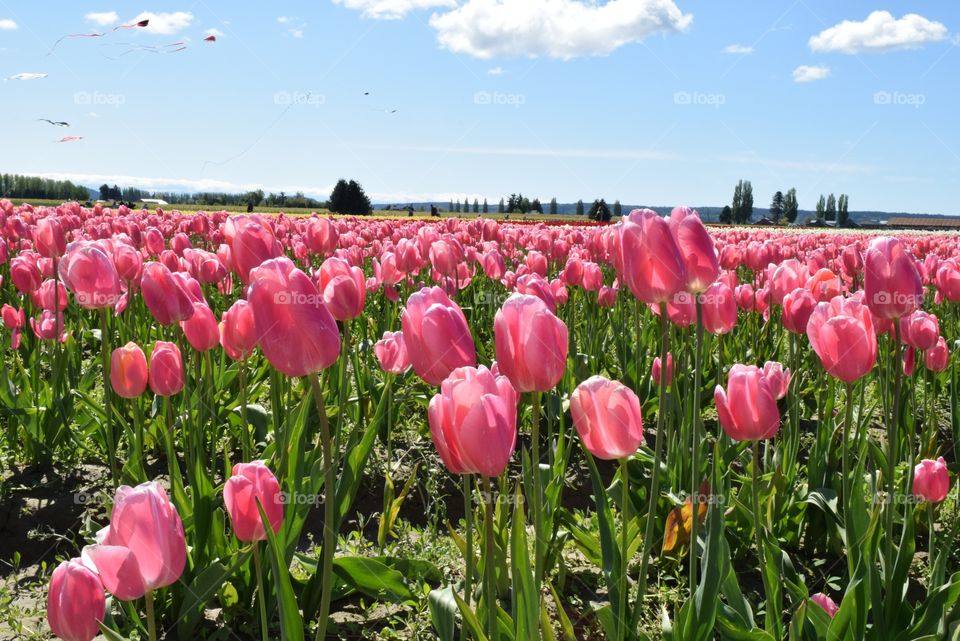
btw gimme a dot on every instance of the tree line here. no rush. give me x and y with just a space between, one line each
17 186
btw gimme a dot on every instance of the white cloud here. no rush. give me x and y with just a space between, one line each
808 73
555 28
284 19
213 32
172 184
295 25
102 18
535 152
496 71
737 49
878 33
165 24
7 24
392 9
750 158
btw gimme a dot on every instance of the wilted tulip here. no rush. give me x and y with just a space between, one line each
252 482
473 421
607 416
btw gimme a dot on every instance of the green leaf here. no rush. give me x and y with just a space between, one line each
291 624
373 578
443 612
204 587
525 610
470 619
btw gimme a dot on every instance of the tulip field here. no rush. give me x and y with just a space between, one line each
221 426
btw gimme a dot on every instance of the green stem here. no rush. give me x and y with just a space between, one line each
151 623
247 443
537 508
847 483
657 456
107 395
892 448
695 447
261 593
758 531
468 517
624 550
489 563
329 533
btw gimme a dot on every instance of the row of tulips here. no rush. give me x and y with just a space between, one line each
526 329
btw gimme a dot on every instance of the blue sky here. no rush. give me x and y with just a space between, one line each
647 101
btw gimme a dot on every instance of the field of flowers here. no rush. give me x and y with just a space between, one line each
259 426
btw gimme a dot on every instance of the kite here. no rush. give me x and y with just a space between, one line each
69 139
55 123
173 47
133 25
210 38
27 76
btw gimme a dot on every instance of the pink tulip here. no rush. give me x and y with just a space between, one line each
931 480
75 602
531 344
696 249
166 369
165 296
252 482
25 273
891 280
145 521
719 309
607 416
841 333
651 263
592 277
129 263
437 335
656 369
89 273
342 287
322 236
238 331
49 238
778 378
798 305
937 358
825 602
788 276
294 328
391 352
117 568
51 295
473 421
14 320
607 296
128 371
252 242
201 329
748 407
920 330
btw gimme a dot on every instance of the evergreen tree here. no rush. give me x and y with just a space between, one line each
831 209
536 206
790 206
843 211
346 198
579 208
737 206
617 208
777 207
486 208
821 209
476 206
599 211
746 208
501 209
726 215
553 206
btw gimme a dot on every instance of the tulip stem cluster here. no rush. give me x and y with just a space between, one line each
329 532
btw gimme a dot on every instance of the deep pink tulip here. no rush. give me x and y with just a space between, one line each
696 249
473 421
798 305
920 330
238 331
656 369
88 271
778 377
719 309
25 273
45 327
128 371
166 369
201 329
825 602
322 236
931 480
948 281
144 520
49 238
652 265
841 333
891 280
748 407
531 344
592 280
342 287
607 416
129 263
51 295
252 242
788 276
165 296
252 482
437 335
573 272
937 358
294 328
15 320
391 352
75 602
607 296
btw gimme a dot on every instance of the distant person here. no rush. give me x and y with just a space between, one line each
433 211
